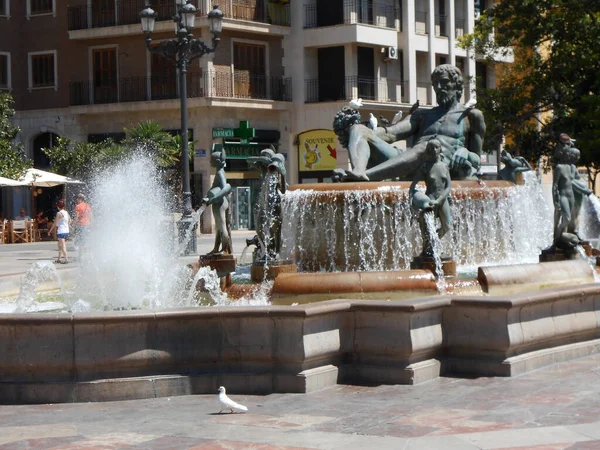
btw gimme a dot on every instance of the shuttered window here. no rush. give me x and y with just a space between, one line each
42 70
4 72
40 6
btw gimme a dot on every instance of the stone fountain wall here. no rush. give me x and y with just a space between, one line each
48 358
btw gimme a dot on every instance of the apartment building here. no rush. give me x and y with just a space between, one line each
80 69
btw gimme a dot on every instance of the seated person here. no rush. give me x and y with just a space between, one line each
41 220
22 215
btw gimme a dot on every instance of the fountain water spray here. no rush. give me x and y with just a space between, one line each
130 259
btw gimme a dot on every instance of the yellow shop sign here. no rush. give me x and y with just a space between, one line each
317 150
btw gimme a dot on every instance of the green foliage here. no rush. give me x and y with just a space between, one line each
13 161
554 82
162 146
81 159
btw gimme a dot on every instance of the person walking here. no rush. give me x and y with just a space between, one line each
83 219
61 223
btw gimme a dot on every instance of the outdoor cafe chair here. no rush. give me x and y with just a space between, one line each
4 232
19 231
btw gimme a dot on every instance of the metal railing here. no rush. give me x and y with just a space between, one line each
459 27
127 12
423 93
440 26
366 12
373 89
421 26
212 84
263 12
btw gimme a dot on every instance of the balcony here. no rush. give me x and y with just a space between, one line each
262 12
441 26
214 84
127 12
421 26
364 12
460 25
373 89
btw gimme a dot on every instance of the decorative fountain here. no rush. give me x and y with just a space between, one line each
353 244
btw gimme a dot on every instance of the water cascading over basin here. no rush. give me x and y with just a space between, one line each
371 226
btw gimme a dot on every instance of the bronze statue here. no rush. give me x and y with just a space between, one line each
436 175
276 187
459 129
217 198
512 166
567 193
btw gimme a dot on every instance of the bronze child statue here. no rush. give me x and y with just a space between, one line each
436 175
217 199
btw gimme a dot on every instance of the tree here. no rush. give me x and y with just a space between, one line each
13 161
553 85
149 135
81 159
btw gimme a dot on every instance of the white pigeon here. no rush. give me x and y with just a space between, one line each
356 103
229 404
397 118
471 103
373 122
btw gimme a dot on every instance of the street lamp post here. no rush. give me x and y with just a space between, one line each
183 51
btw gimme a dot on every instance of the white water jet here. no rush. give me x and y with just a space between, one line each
436 247
38 272
130 257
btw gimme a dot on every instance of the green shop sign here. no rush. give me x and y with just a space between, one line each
236 150
220 133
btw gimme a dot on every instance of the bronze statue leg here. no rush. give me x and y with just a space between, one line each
404 165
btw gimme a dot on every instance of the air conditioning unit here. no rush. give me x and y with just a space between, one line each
390 52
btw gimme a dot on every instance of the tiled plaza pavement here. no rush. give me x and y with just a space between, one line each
550 409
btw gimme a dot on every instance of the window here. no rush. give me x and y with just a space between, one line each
4 8
37 7
249 63
42 70
5 71
105 75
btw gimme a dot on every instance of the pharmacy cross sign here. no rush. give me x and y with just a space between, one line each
244 132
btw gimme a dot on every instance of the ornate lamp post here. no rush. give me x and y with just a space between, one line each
183 51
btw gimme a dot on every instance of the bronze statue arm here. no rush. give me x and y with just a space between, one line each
580 187
475 137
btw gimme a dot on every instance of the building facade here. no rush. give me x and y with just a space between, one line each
81 70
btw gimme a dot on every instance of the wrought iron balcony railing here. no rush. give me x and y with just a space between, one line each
366 12
373 89
213 84
127 12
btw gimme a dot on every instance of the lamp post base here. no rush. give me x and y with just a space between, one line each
188 241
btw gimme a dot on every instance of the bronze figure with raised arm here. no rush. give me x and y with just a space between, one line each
459 128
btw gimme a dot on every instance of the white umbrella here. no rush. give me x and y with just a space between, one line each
9 182
40 178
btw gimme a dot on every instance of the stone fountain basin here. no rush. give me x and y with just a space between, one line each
50 358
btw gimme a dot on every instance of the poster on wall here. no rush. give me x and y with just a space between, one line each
317 150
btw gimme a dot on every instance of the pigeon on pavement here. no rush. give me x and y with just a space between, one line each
229 404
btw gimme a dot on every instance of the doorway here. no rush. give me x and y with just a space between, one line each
241 208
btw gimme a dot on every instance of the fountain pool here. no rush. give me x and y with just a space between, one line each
160 346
